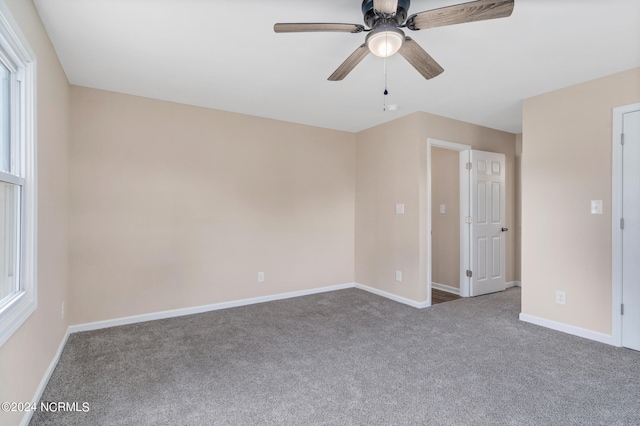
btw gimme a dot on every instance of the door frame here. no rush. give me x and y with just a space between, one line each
465 196
616 215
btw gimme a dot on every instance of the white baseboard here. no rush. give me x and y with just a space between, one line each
236 303
447 288
45 379
203 308
510 284
569 329
392 296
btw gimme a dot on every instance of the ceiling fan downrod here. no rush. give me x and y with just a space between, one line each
371 17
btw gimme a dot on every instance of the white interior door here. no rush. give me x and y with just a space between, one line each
631 230
487 222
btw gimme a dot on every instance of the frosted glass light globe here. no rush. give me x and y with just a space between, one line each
385 40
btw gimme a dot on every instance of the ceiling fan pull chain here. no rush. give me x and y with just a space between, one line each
386 92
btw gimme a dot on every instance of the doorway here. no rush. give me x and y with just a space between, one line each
466 242
626 227
453 260
445 224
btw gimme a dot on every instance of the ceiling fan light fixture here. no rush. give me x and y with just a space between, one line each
385 40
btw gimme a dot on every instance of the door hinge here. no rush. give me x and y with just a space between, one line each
621 138
468 219
622 223
469 273
469 166
622 309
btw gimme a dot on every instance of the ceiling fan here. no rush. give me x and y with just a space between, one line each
385 18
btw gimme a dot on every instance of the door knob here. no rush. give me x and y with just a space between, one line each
505 229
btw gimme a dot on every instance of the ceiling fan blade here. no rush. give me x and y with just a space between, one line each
466 12
350 63
421 60
311 27
385 7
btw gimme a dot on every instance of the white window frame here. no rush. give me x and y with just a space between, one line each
15 51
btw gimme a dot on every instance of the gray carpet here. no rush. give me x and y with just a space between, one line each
345 357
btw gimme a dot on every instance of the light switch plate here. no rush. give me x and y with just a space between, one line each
443 208
400 208
596 206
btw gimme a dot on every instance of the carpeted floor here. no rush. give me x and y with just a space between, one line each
341 358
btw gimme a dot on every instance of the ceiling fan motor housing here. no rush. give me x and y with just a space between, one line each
370 17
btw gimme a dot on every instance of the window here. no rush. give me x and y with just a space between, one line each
17 178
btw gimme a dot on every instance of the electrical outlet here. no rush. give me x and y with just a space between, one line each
399 276
399 208
260 277
62 311
561 297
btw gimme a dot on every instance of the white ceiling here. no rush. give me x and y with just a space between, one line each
223 54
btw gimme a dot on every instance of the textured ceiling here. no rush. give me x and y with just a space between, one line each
224 54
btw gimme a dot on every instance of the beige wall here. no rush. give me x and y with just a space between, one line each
387 173
391 167
175 206
445 238
25 357
566 163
